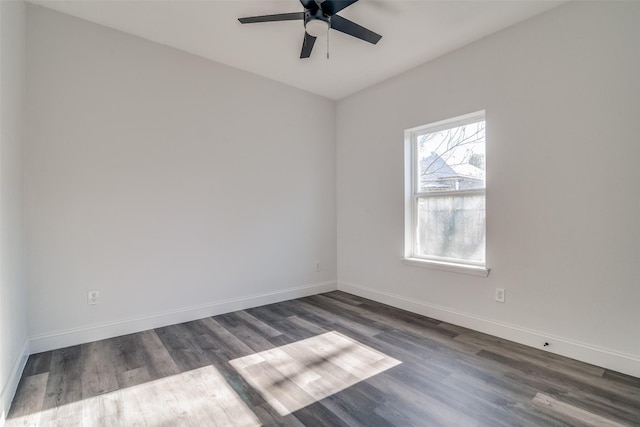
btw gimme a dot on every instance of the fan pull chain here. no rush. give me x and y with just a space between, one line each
328 31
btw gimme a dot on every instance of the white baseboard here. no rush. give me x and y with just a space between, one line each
9 388
96 332
610 359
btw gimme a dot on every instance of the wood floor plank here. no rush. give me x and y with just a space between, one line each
495 391
37 364
592 384
231 345
521 352
63 415
109 410
338 315
424 327
268 314
283 395
295 328
258 325
29 399
98 368
345 298
619 378
410 405
179 342
128 351
602 405
242 388
235 324
572 412
317 415
487 382
357 407
133 377
64 384
157 360
300 323
433 331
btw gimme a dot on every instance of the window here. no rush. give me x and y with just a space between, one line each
445 209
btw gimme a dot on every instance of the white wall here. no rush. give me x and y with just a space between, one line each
562 98
13 310
176 186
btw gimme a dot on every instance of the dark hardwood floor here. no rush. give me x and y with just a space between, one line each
331 359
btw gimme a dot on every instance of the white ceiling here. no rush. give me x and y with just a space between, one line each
413 32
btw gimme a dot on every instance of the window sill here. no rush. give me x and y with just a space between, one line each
473 270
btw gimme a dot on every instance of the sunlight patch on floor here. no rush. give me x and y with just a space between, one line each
295 375
201 397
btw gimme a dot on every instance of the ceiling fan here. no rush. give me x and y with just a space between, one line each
319 16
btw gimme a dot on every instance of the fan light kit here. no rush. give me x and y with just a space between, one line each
319 17
316 27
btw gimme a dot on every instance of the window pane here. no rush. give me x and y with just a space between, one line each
451 159
451 227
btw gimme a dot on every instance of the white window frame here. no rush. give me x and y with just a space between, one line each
412 196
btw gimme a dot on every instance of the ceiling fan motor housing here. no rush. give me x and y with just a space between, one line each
316 23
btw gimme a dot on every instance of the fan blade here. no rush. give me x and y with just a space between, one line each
294 16
331 7
345 26
307 45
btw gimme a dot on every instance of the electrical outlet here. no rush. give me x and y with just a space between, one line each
500 294
318 266
93 297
